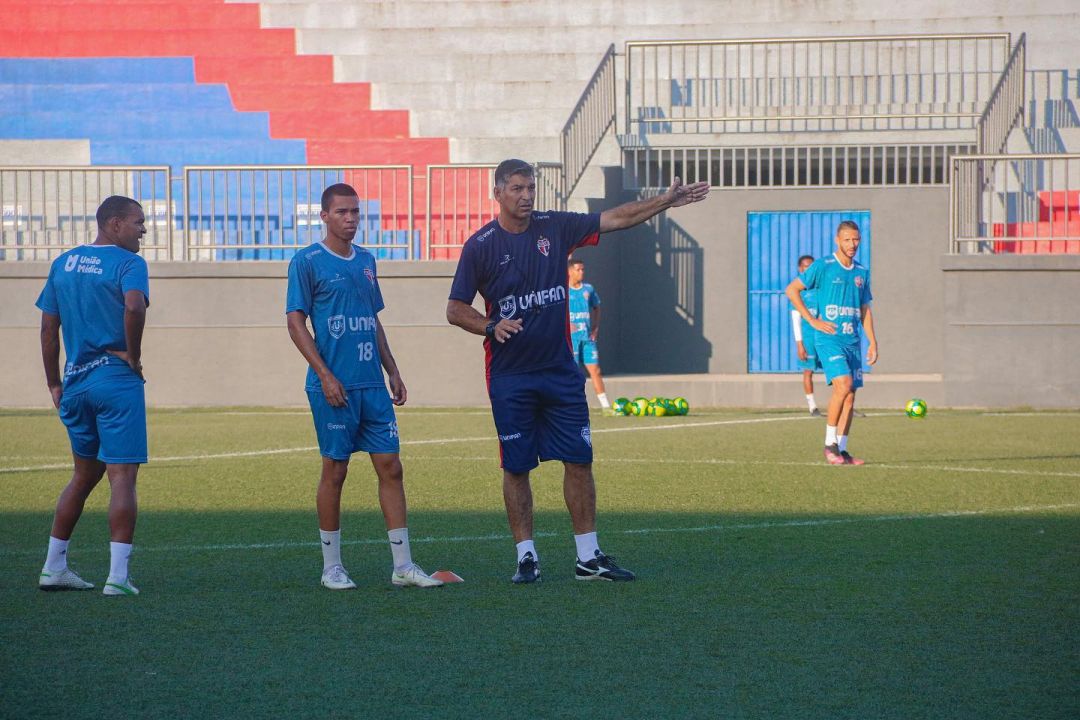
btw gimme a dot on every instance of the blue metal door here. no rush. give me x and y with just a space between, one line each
775 240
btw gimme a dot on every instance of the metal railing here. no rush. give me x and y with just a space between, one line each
1015 204
47 210
812 84
268 212
255 212
791 166
1005 107
460 202
589 121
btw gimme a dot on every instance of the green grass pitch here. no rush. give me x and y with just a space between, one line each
941 580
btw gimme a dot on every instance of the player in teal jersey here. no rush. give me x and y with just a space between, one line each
804 335
334 284
98 295
843 300
584 304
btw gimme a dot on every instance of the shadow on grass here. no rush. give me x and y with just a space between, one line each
732 615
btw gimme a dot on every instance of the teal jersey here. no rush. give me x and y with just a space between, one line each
342 297
86 288
841 293
582 301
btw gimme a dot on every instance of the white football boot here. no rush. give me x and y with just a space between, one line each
119 588
65 579
335 578
414 576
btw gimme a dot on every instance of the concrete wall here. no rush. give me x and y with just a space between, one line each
216 336
1011 331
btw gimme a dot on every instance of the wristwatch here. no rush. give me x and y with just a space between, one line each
490 329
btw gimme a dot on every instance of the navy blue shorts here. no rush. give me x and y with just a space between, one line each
541 415
107 422
366 424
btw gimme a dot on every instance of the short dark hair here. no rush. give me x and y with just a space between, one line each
849 224
804 257
114 206
575 261
337 190
510 167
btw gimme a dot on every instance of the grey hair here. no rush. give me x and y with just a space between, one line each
511 167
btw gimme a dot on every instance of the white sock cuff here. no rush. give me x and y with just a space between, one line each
587 546
526 546
830 434
119 553
56 558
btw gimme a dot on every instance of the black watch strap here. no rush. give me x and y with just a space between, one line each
490 329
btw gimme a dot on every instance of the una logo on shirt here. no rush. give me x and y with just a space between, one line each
72 261
507 307
543 245
336 325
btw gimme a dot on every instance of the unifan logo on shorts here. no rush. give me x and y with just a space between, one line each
370 276
543 245
586 435
336 325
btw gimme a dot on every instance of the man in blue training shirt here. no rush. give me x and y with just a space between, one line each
97 296
517 263
843 299
804 340
333 282
584 304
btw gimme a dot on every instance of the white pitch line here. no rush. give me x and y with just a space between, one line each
768 525
1049 414
784 463
441 441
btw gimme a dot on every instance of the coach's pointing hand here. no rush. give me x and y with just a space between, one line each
680 194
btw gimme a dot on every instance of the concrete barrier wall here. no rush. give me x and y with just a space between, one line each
1011 331
216 335
992 331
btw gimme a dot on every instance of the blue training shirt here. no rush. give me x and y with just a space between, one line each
582 301
86 288
523 275
841 293
342 297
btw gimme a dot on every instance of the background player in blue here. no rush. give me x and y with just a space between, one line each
843 299
584 304
804 334
334 283
517 263
97 295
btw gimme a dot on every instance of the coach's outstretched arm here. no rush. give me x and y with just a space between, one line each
633 213
467 318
